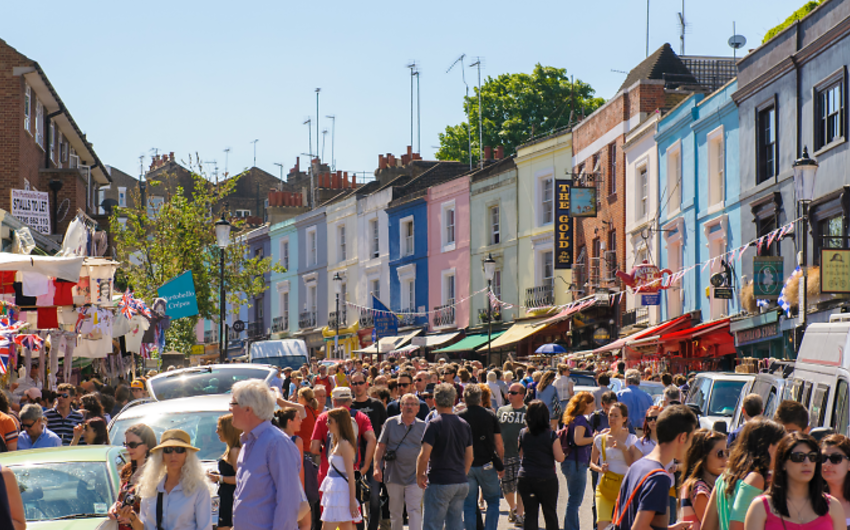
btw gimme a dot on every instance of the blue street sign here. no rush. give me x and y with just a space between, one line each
180 295
386 324
650 299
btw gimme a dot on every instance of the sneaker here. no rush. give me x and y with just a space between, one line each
520 520
511 517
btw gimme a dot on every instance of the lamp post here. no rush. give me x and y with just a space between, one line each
222 236
489 273
805 170
338 289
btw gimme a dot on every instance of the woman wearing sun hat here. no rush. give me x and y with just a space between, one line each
173 477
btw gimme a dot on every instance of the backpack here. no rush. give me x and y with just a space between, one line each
311 479
567 437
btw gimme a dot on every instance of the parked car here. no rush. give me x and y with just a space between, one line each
290 353
67 487
769 385
206 380
714 396
655 391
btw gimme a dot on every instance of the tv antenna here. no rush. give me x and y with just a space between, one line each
333 138
324 137
413 72
682 27
215 165
463 76
477 64
226 159
736 42
255 151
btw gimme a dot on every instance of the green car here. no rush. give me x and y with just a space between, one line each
67 488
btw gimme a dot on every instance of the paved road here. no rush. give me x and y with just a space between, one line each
585 514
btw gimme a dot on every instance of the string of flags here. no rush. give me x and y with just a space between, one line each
400 314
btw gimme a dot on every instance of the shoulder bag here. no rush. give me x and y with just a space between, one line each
618 514
609 482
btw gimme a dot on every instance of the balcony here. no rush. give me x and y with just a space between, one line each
336 320
254 329
483 316
211 336
636 317
540 296
367 320
444 315
407 318
307 320
280 324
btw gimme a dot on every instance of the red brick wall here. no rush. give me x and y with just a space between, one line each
12 133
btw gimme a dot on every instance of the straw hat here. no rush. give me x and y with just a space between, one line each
175 438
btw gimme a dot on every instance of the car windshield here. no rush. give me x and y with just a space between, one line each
582 380
291 361
724 398
203 381
64 490
201 427
652 390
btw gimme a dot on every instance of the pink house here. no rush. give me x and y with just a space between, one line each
448 254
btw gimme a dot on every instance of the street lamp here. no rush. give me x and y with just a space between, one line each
489 273
222 236
338 289
805 170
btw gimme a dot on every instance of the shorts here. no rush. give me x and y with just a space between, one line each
509 479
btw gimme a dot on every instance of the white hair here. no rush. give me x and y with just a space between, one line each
491 377
192 474
256 395
633 376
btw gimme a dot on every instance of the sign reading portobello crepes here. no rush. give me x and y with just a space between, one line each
563 226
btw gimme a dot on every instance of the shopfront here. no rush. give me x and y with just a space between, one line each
761 337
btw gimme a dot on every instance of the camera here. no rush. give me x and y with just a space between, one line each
389 456
129 500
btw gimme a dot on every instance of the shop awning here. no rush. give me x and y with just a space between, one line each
670 325
518 332
568 312
714 333
432 341
61 268
470 342
389 344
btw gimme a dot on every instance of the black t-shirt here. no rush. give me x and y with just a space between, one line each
484 425
394 409
375 410
538 458
449 436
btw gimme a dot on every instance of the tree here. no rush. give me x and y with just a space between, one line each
518 107
796 15
155 246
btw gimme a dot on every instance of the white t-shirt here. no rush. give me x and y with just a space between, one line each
616 459
564 386
645 446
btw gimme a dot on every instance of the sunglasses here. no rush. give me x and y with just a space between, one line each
234 404
169 450
427 396
834 458
799 456
420 380
29 426
513 393
133 445
652 418
723 453
65 395
404 385
358 383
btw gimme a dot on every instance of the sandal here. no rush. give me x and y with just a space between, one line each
520 520
511 517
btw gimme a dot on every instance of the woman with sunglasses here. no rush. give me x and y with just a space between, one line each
796 497
174 479
139 439
226 476
705 461
92 432
836 462
745 476
649 440
339 502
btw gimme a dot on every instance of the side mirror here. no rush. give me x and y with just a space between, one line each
819 433
694 408
720 426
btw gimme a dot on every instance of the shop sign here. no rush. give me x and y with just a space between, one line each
32 208
197 349
722 293
601 336
768 274
835 271
180 295
386 323
757 334
650 299
582 202
563 225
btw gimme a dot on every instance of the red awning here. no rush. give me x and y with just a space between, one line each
710 334
670 325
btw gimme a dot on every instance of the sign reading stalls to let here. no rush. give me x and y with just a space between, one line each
32 208
563 225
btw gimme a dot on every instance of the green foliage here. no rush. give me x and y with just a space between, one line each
518 107
154 247
796 15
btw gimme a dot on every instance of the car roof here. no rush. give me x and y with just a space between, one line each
210 403
727 375
201 369
651 383
84 453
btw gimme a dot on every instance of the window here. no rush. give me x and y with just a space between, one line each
716 165
376 289
52 141
831 231
154 204
548 268
643 200
818 410
284 254
284 306
39 118
27 108
494 225
376 238
674 179
840 417
450 225
829 121
612 241
612 169
258 252
763 228
101 196
341 236
343 293
63 148
408 301
497 283
243 213
313 251
548 202
312 299
448 289
767 148
407 239
597 248
258 304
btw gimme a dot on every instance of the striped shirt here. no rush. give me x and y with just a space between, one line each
63 427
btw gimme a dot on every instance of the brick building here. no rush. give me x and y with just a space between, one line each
41 146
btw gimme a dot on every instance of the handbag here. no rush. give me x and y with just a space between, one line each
610 482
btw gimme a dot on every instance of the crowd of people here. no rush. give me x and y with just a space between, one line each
435 445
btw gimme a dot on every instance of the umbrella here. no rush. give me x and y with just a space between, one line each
551 349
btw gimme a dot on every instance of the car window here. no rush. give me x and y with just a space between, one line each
64 490
724 397
807 394
770 404
794 390
200 426
203 381
818 412
582 380
699 392
840 419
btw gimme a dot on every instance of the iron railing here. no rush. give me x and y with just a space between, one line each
540 296
444 315
254 329
366 319
636 317
281 323
484 316
307 319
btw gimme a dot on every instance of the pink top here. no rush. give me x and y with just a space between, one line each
774 522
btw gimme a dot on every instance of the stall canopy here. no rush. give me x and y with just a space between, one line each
432 341
61 268
470 342
389 344
670 325
518 332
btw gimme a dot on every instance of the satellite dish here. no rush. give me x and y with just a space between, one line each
108 205
737 42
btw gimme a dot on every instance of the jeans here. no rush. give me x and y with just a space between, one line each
594 478
576 474
539 494
409 496
488 481
444 506
673 505
374 500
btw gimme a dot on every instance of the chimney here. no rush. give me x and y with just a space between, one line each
417 156
354 180
409 151
405 159
298 164
382 162
500 152
391 161
171 156
345 180
488 152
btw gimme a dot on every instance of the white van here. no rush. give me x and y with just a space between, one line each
821 378
290 353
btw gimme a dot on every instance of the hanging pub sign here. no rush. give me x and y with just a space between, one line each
563 225
835 270
582 202
768 277
722 293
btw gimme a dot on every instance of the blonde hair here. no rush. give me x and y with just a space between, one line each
230 433
192 475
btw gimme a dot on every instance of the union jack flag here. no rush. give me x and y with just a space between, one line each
5 353
29 341
129 306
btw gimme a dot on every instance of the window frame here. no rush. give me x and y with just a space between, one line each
497 283
612 168
283 253
835 80
342 255
39 118
673 178
374 238
495 224
448 209
51 141
312 247
547 214
28 108
407 242
122 197
771 105
643 199
716 156
840 417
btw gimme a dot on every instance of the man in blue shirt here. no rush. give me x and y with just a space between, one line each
634 398
35 435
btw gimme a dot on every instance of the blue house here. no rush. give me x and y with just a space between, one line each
284 285
258 325
408 239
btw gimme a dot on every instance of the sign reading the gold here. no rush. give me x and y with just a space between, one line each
835 271
563 226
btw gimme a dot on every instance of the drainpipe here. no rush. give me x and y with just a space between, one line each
48 144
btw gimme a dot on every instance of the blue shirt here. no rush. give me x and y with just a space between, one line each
546 396
269 465
47 439
637 402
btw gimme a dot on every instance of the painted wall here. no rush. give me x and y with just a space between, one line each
343 214
415 264
369 208
285 282
313 273
259 242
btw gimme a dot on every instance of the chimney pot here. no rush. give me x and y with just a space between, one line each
500 152
354 180
488 152
409 150
171 156
345 180
382 162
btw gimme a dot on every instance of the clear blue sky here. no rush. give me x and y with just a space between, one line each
203 76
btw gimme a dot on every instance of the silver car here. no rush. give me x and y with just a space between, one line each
206 380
